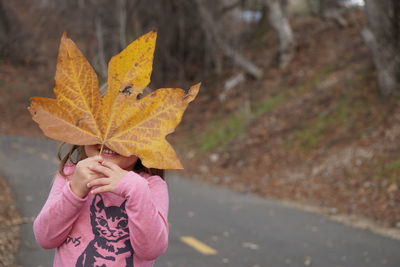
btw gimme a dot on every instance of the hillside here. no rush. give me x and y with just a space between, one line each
316 133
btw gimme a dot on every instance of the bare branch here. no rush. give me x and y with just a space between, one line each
211 28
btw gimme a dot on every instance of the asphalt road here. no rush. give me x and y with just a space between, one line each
209 226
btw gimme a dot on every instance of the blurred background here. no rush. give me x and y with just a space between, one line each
299 98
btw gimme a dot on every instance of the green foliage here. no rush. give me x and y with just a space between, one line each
269 104
222 132
394 165
391 171
323 73
225 129
312 133
341 117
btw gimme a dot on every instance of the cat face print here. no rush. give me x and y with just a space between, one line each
110 223
111 237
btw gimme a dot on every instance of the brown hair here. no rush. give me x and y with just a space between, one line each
77 153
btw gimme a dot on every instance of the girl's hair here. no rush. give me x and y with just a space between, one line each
77 153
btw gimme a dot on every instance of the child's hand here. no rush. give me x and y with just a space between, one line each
112 175
83 174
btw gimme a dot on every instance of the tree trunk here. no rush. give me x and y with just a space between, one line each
101 57
5 27
326 5
279 21
122 22
382 35
332 10
12 37
210 27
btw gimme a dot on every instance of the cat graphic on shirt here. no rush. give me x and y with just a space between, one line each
111 236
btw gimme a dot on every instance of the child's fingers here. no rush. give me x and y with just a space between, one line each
101 189
99 181
86 162
102 169
110 165
96 158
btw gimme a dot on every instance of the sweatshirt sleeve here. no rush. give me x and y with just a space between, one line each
54 222
147 208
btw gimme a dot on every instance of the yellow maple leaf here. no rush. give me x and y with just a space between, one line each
118 120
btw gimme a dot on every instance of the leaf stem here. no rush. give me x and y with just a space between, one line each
101 148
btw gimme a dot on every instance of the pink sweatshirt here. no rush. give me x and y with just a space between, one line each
128 228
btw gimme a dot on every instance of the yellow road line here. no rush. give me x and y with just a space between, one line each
198 245
44 156
30 149
16 145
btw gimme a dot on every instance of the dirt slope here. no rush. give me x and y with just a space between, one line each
316 133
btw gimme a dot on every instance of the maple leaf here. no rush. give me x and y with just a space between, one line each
119 120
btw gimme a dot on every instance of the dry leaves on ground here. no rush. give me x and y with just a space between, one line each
9 230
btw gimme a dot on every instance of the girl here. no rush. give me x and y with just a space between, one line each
104 210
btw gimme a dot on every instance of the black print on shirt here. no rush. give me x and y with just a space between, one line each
111 236
75 241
